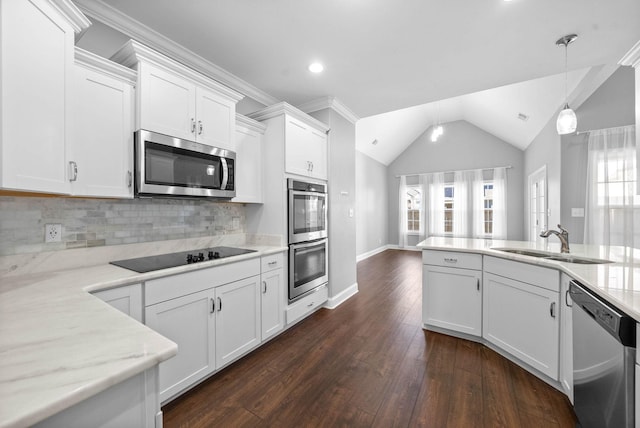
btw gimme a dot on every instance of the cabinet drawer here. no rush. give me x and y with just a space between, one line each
170 287
272 261
307 304
536 275
452 259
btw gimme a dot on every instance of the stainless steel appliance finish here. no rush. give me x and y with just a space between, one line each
168 166
603 361
308 267
307 211
165 261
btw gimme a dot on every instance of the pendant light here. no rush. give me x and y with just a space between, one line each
567 121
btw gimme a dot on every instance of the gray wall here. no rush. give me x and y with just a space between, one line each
463 146
611 105
371 204
342 199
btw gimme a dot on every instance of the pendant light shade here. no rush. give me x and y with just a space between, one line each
567 121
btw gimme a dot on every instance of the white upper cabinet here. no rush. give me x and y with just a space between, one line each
249 134
103 113
37 38
305 150
177 101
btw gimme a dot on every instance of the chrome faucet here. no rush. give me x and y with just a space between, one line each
563 235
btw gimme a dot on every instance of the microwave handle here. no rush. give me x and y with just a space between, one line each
225 173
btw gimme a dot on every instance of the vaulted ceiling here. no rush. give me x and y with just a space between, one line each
386 55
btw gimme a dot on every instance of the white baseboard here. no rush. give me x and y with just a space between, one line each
342 297
372 252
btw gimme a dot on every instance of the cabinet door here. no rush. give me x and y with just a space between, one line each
452 299
271 303
523 320
190 322
317 141
36 74
102 146
216 120
297 147
237 319
127 299
167 103
249 160
566 338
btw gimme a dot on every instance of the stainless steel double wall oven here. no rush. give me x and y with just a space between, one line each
308 255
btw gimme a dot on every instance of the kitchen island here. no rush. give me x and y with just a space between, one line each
60 345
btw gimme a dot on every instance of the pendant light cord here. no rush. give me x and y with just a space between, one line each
566 62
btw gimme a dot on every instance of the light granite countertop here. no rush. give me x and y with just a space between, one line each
617 282
60 345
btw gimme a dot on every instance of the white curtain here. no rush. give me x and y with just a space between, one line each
499 203
611 214
402 213
436 201
478 204
425 181
461 203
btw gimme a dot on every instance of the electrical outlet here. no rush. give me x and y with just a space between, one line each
236 222
53 232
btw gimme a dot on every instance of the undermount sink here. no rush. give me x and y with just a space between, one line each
567 258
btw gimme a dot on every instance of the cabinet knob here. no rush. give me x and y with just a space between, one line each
129 179
552 309
219 304
73 171
213 306
193 125
264 283
200 127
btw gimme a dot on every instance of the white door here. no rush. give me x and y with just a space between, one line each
102 143
190 322
537 202
271 302
37 74
317 141
249 158
168 103
523 320
452 299
216 120
297 159
237 319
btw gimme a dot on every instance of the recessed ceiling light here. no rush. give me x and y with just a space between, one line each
316 67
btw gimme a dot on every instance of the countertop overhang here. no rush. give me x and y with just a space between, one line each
617 282
59 345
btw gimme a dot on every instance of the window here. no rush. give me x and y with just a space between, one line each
616 179
448 208
487 197
414 203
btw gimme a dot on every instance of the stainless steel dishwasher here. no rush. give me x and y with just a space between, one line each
604 341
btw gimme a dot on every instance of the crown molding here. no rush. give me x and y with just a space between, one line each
105 66
70 11
112 17
133 52
330 103
283 108
632 57
250 124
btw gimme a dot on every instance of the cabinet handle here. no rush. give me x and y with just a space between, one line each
311 166
129 179
219 304
450 260
193 125
310 304
566 299
73 171
478 284
213 306
199 127
265 287
552 309
273 263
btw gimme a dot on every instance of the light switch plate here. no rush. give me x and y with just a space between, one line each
577 212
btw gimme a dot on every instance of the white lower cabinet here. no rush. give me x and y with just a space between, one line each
127 299
190 322
237 319
566 338
452 296
520 318
271 291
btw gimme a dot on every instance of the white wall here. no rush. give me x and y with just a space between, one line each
463 146
371 204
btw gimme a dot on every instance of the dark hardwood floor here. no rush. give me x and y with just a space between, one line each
368 363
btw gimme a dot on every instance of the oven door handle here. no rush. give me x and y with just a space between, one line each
317 243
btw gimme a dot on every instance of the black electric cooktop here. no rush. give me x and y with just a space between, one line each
165 261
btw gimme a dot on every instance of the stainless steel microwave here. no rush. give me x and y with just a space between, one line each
168 166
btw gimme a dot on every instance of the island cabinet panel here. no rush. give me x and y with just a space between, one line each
127 299
452 292
523 320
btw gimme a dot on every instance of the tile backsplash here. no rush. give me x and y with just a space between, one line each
100 222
